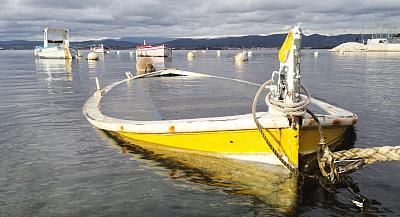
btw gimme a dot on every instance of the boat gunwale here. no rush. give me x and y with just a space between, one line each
335 117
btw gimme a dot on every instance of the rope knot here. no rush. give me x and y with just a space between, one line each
291 109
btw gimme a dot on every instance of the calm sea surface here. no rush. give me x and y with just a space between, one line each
54 163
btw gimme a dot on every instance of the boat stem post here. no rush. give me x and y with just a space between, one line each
98 84
285 94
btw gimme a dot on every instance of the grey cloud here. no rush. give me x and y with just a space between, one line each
24 19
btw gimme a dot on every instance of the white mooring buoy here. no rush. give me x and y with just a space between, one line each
92 56
240 57
190 56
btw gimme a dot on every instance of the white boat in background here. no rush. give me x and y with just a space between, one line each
372 45
100 49
377 43
56 49
153 50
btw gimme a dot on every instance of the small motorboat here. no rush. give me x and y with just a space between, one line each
100 49
56 49
281 135
153 50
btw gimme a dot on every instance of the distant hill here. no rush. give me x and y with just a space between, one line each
254 41
110 43
250 41
19 44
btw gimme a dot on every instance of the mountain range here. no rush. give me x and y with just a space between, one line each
250 41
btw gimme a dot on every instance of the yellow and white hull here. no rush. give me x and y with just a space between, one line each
239 144
234 137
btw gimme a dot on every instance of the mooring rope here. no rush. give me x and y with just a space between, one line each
286 163
325 157
292 109
370 155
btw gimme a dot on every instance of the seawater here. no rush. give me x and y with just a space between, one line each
54 163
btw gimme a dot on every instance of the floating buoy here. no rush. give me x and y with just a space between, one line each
190 55
316 54
79 53
117 52
203 51
92 56
240 57
250 53
144 65
218 53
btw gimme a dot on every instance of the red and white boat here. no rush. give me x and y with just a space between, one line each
100 49
153 51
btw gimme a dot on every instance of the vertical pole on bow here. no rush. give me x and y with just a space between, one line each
292 65
285 89
286 82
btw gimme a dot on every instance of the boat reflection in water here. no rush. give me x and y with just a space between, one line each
92 65
96 66
54 69
239 65
270 184
150 64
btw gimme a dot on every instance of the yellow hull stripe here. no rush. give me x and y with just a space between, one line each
242 141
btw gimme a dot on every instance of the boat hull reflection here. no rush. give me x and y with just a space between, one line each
271 184
54 68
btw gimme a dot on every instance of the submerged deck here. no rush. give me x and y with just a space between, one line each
182 97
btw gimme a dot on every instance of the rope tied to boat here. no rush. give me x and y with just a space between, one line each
291 109
328 161
369 155
325 160
281 158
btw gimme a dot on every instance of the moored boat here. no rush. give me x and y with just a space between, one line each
280 136
153 50
100 49
372 45
55 49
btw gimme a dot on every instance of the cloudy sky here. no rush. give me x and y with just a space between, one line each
95 19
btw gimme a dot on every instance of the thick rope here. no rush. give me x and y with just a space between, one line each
326 158
370 155
292 109
260 129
